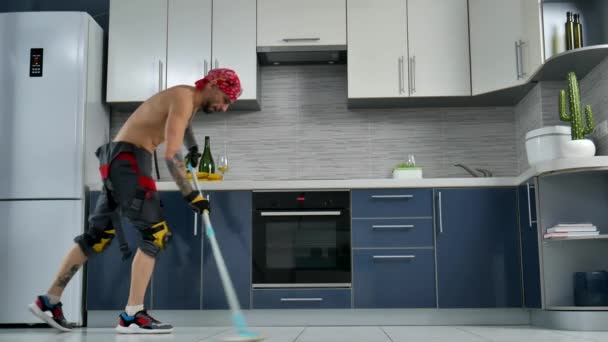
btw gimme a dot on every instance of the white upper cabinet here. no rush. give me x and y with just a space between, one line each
137 49
299 22
155 44
506 39
438 36
377 49
234 42
188 41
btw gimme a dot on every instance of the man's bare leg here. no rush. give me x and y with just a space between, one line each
141 271
69 266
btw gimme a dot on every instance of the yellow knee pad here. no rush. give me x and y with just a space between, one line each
104 241
160 234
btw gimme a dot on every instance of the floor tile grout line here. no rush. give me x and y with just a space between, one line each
214 335
463 329
587 339
300 334
385 333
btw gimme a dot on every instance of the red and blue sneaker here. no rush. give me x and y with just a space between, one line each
141 323
50 314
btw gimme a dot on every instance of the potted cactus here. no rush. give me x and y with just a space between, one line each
578 146
555 142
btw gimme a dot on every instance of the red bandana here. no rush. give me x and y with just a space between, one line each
225 79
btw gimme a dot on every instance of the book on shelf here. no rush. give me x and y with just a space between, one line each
570 234
560 229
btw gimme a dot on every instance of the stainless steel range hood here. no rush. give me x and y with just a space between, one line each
295 55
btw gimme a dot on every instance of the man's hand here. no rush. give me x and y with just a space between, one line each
197 202
193 156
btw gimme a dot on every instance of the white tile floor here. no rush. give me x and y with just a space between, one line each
319 334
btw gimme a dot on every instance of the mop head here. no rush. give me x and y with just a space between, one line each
244 337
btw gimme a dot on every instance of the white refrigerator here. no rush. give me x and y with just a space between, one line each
52 120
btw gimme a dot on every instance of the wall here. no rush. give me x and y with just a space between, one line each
305 131
540 108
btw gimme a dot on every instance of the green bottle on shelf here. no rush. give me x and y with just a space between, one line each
207 165
569 31
578 32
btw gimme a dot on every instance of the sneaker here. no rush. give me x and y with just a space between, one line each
141 323
50 314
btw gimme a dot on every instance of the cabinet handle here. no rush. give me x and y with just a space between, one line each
529 206
392 226
400 74
517 60
206 68
521 59
413 74
394 257
301 213
287 40
195 224
160 75
392 196
440 214
301 299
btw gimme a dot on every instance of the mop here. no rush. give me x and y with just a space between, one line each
238 320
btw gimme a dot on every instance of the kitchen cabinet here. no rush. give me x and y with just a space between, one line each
300 23
478 263
176 283
178 42
377 49
231 219
393 248
438 38
234 46
137 49
108 278
529 244
506 43
414 48
301 298
394 278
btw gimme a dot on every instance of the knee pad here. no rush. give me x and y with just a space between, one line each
155 238
95 240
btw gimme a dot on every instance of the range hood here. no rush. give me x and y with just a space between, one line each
297 55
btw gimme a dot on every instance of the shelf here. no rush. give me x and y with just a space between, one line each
578 308
581 61
596 237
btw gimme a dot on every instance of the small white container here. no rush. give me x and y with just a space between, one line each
413 173
546 143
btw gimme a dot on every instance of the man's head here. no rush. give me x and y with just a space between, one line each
221 88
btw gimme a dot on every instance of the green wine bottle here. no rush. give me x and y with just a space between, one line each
207 164
569 32
578 32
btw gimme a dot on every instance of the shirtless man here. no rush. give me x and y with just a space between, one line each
125 167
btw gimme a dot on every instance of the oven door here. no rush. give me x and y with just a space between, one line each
301 248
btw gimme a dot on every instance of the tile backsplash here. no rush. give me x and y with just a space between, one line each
305 131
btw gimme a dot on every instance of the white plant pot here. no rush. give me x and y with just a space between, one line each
578 149
407 173
555 142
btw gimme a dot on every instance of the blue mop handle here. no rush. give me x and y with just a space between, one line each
238 319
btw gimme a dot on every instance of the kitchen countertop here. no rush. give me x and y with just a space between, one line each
558 165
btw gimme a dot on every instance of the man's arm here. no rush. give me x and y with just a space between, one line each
177 121
189 139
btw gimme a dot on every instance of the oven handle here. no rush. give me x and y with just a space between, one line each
301 213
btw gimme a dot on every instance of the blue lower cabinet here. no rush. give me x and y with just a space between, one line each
392 203
231 220
393 278
108 278
176 283
380 232
478 253
301 298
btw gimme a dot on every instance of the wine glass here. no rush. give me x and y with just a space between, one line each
411 161
222 164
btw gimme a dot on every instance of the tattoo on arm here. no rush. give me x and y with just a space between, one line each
178 172
189 139
63 279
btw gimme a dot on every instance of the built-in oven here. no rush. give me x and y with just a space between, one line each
301 239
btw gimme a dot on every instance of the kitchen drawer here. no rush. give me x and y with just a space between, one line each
392 203
301 298
378 232
394 278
